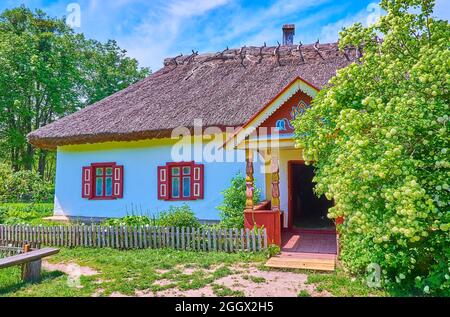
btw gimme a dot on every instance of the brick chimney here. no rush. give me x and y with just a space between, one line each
288 34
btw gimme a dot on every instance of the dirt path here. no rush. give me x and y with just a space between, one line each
73 270
246 280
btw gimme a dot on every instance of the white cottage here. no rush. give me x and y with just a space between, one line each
122 155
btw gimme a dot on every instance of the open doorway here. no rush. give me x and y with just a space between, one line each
307 211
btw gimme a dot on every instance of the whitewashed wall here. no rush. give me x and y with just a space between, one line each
140 182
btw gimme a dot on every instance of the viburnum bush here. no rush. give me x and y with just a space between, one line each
379 138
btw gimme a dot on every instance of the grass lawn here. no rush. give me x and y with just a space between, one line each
30 214
126 272
140 272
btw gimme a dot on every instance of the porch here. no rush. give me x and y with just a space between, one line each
306 250
306 243
294 217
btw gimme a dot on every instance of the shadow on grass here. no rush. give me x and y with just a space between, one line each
10 289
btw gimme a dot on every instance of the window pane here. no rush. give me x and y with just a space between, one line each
99 171
175 171
175 187
109 171
186 187
109 186
99 187
186 171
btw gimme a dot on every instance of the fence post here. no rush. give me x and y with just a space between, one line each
172 233
183 245
265 239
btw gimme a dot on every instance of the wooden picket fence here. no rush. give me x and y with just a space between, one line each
10 248
143 237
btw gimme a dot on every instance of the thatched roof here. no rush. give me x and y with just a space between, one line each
223 89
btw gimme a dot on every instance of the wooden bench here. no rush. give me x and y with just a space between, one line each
31 263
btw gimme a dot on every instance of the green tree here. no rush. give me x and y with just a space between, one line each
23 186
232 208
48 71
380 136
107 70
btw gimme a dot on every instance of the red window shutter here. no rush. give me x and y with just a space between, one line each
86 184
198 181
163 183
118 182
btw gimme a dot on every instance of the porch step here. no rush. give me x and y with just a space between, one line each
292 243
303 261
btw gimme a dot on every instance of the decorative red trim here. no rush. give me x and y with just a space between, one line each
267 105
108 164
103 198
118 174
196 176
117 181
163 182
173 164
198 180
86 182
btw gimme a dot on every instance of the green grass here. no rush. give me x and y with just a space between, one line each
304 293
126 272
254 279
31 214
340 284
223 291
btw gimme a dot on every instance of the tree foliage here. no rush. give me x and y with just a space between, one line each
232 208
23 186
48 71
380 136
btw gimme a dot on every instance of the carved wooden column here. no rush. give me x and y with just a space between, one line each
250 180
275 171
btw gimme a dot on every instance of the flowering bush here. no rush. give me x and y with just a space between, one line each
379 135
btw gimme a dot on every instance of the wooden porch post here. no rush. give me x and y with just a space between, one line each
250 180
269 219
275 171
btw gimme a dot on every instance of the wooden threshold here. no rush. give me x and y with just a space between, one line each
305 261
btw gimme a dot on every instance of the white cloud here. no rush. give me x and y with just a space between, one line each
266 18
367 16
330 32
151 41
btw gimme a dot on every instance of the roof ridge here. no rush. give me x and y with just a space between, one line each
256 54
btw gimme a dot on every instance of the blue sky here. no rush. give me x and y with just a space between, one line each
151 30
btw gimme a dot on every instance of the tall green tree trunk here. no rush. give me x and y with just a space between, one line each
42 163
29 157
